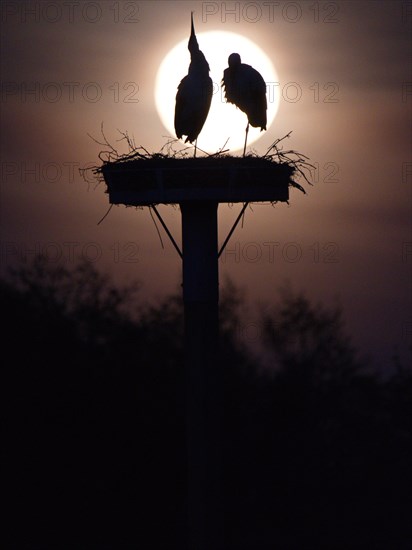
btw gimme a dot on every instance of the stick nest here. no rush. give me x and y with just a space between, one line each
294 164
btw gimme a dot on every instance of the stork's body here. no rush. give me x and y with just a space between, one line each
194 94
245 87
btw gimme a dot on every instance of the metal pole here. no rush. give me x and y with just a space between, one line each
204 379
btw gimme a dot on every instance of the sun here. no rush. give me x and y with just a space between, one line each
225 121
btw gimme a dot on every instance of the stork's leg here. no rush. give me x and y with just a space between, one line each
195 148
247 131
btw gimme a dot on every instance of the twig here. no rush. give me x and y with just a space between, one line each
155 224
110 207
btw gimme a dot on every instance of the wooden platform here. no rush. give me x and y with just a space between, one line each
225 179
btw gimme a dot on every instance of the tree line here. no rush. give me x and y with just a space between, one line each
317 450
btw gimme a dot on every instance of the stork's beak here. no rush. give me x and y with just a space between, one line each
192 33
193 45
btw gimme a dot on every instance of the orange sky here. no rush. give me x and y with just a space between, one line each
358 213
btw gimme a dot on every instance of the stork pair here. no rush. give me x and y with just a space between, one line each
244 87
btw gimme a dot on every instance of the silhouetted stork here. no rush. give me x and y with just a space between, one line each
245 87
194 94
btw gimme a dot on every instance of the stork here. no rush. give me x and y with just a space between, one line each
194 94
245 87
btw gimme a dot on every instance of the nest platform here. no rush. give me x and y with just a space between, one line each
223 179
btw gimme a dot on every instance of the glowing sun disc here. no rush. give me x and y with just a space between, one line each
224 120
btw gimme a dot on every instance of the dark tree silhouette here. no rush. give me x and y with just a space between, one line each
308 341
94 425
317 452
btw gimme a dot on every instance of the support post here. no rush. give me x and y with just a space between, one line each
204 379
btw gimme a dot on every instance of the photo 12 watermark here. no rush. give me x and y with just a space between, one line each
272 12
406 13
294 92
70 92
70 252
66 11
407 172
273 252
255 331
407 252
326 172
47 172
406 92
